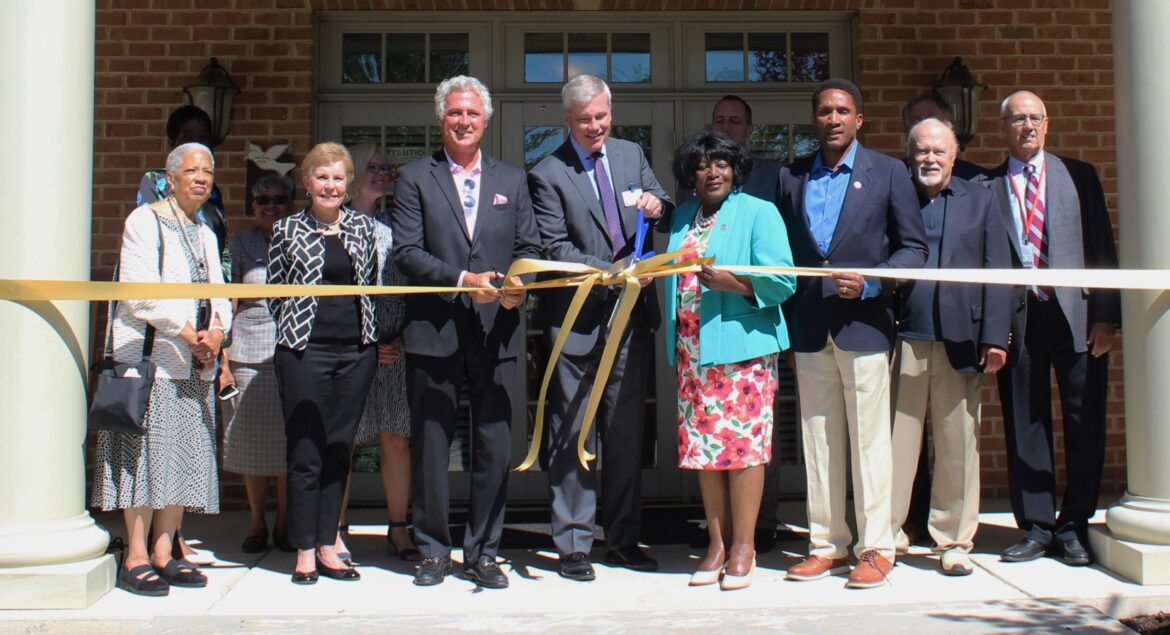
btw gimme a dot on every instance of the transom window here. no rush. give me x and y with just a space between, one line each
618 58
403 58
767 57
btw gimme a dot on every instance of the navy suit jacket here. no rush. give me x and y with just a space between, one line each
432 247
880 226
1079 236
971 315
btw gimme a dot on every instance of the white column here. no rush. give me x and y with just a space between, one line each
1136 542
51 552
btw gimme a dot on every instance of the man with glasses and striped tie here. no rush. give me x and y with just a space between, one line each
1056 217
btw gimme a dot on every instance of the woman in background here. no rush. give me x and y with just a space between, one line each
253 440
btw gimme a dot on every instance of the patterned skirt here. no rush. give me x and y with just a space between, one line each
173 463
253 438
386 407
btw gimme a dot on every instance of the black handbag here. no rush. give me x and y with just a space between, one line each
121 390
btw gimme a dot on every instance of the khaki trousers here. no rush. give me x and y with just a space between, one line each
924 376
845 415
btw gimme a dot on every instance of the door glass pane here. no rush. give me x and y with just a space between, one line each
725 57
405 58
449 55
804 141
636 134
631 57
767 57
539 142
810 57
353 135
544 57
770 142
403 145
361 56
587 55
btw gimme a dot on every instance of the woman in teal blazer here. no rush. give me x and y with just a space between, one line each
724 333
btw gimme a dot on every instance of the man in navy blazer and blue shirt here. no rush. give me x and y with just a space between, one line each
948 333
461 217
846 206
586 196
1055 214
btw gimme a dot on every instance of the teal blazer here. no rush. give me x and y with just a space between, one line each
732 327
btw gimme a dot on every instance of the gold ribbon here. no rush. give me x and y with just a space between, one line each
624 273
584 278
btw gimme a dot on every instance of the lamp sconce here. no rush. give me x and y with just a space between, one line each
959 88
212 92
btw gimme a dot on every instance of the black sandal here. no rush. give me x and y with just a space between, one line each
143 580
178 573
410 554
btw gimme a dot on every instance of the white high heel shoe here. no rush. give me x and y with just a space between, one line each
703 578
731 582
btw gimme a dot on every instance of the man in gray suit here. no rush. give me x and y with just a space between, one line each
586 196
1055 215
947 334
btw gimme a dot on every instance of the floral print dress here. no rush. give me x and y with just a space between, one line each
724 410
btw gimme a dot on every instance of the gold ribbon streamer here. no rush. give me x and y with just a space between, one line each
585 278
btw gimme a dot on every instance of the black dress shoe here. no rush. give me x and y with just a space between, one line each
631 558
1074 553
765 539
1024 551
431 571
255 544
345 573
486 573
576 566
308 577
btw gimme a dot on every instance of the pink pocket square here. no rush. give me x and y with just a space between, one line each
499 199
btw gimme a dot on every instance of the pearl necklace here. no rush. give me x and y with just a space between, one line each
704 220
324 226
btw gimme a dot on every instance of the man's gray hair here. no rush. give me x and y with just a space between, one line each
457 84
175 158
932 121
584 88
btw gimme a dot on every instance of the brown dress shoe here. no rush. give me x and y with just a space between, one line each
816 567
870 571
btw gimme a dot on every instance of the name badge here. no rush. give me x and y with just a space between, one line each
630 197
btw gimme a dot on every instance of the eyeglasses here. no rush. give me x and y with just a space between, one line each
1019 120
469 193
264 199
378 168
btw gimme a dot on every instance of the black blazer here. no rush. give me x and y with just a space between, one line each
1079 236
573 229
880 226
296 256
971 315
432 247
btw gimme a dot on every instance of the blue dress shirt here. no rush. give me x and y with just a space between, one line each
823 197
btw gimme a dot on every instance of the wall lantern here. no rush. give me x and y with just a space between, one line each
213 91
958 87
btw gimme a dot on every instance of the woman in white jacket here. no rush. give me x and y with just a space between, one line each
154 477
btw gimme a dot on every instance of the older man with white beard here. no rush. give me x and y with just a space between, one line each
947 334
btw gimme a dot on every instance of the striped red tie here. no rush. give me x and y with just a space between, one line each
1034 212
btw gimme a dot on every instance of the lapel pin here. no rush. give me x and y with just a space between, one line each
857 185
723 228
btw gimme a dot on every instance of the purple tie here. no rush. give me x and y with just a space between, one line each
613 220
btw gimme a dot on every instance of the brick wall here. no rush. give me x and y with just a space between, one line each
148 49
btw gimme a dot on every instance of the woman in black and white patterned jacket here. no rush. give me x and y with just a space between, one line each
326 354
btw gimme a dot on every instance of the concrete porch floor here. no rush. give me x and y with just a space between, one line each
252 594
